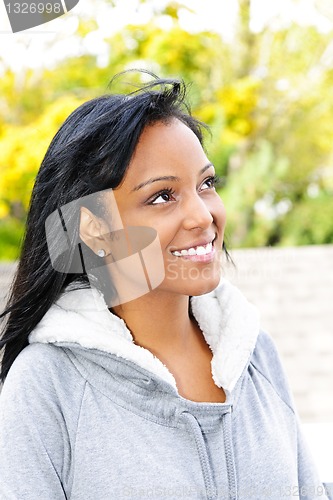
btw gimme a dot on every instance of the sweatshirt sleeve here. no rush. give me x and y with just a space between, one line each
267 360
34 430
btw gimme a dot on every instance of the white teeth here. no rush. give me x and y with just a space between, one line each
200 250
209 247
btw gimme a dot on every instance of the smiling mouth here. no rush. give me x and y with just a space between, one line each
198 250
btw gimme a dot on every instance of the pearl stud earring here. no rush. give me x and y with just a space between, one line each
101 253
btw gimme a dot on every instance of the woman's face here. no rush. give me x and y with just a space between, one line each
169 186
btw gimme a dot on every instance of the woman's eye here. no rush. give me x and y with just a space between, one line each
162 197
209 183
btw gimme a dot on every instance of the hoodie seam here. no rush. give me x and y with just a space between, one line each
76 436
130 409
272 386
84 381
85 376
235 402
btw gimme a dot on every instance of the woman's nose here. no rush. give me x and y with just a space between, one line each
196 213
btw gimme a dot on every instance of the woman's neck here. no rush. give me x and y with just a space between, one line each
162 325
166 329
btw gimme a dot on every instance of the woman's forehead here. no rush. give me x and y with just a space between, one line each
167 149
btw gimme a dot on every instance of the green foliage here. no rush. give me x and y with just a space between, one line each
310 222
11 232
254 188
22 150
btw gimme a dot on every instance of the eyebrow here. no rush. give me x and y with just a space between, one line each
167 178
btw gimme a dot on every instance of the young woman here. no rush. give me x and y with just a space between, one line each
131 368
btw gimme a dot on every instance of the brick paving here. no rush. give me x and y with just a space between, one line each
293 289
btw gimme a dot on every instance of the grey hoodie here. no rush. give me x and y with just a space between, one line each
87 414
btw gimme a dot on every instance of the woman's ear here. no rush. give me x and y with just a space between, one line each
93 231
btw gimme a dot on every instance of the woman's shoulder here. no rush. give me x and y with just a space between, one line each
266 353
267 361
38 360
39 371
40 406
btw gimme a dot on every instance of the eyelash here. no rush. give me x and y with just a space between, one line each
167 191
213 179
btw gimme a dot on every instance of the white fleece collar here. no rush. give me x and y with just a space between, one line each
230 325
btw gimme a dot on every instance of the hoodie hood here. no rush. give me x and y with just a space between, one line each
230 325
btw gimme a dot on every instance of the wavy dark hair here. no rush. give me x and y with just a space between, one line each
90 153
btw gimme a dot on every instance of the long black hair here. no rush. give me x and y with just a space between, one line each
90 153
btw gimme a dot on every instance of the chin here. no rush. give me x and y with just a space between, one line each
203 288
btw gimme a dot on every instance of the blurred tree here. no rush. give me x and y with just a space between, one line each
280 134
244 51
22 149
